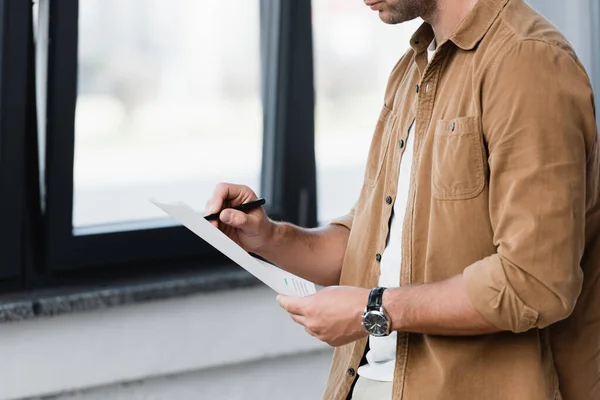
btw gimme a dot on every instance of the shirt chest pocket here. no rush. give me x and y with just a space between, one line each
458 170
379 146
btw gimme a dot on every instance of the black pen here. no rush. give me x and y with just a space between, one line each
242 207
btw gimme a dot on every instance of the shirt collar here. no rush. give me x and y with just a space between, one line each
469 32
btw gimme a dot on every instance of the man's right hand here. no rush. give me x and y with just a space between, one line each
314 254
252 230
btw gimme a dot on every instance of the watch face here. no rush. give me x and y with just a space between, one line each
375 323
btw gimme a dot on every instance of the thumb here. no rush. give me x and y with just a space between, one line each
293 305
235 218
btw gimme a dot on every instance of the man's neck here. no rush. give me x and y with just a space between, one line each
447 15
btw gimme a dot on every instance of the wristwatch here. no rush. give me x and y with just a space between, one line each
374 319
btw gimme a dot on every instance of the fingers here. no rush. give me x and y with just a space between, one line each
293 305
235 218
228 195
302 320
299 319
309 332
247 223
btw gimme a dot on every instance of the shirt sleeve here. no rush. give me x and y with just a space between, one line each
539 124
345 220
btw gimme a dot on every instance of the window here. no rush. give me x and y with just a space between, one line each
168 104
165 99
129 100
15 113
144 99
354 55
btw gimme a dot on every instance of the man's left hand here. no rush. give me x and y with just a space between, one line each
333 315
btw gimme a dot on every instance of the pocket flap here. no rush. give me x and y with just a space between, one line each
458 171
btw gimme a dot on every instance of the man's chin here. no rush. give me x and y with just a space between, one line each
386 17
394 19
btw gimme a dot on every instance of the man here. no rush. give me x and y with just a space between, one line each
479 214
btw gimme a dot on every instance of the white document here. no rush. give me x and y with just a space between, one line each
277 279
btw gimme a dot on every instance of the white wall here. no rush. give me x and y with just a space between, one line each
299 377
578 21
84 350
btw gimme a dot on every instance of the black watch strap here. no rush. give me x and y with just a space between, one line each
375 298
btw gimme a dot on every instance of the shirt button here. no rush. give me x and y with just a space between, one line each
453 126
417 88
378 257
351 371
389 199
401 143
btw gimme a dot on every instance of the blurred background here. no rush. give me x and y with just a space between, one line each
105 104
167 89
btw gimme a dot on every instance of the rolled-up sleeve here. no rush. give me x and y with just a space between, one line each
345 220
538 121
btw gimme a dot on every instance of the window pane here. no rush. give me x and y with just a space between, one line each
354 55
168 104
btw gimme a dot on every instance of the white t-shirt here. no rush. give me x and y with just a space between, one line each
381 358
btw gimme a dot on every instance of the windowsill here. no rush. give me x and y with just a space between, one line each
204 332
51 302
